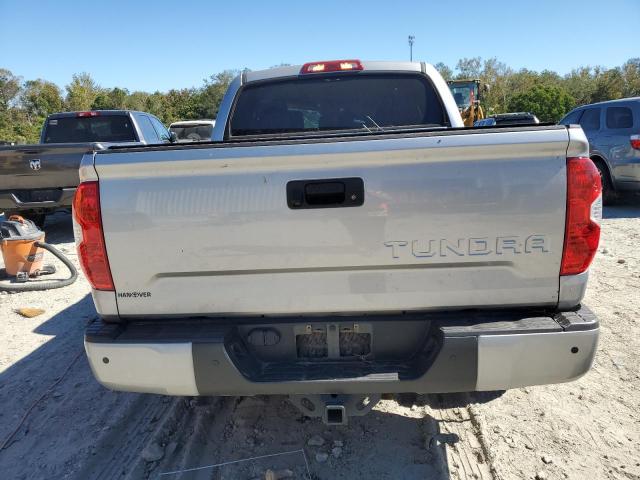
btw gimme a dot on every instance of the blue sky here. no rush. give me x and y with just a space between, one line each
158 45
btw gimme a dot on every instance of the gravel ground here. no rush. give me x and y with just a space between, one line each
60 423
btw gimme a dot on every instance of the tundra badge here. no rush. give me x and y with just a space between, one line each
460 247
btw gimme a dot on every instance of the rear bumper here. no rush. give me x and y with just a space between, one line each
45 200
462 352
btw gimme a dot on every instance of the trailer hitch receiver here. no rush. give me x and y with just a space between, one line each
335 409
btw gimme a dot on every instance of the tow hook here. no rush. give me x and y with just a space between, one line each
335 409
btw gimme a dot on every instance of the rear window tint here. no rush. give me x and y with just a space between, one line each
108 128
619 117
590 120
516 121
572 118
194 133
336 102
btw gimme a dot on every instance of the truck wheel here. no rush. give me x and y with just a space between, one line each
609 195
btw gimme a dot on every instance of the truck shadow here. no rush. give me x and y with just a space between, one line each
62 423
264 433
55 417
626 207
58 228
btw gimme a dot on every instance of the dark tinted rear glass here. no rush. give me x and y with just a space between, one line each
361 101
194 133
590 120
619 117
516 121
572 118
108 128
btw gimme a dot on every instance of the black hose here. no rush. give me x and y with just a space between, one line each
38 286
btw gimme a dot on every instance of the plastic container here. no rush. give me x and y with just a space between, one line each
18 246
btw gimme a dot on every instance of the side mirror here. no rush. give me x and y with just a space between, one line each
173 138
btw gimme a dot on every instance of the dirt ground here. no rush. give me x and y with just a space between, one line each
57 422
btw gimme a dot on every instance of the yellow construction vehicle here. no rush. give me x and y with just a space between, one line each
467 95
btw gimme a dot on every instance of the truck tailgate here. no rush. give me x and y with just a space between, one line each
449 220
41 166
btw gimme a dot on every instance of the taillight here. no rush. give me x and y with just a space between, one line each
635 142
87 114
582 233
331 66
90 244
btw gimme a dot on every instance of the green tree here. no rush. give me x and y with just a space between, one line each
494 76
154 104
9 88
40 98
548 102
548 77
444 70
469 68
180 105
114 99
609 85
136 101
631 75
81 92
580 84
15 126
212 92
11 117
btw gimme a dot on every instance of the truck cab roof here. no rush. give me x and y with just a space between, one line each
190 123
95 113
367 66
608 102
335 95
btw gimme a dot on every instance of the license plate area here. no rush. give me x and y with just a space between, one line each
333 341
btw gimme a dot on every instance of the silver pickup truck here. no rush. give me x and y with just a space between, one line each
342 237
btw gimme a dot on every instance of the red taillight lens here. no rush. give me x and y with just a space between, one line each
635 142
91 248
331 66
87 114
582 233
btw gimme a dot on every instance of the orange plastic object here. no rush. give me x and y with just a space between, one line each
22 255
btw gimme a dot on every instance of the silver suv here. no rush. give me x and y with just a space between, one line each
613 130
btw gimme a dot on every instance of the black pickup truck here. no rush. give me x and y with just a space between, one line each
38 179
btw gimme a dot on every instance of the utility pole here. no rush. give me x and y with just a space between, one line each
411 40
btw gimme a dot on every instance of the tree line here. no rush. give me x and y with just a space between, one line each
546 94
25 104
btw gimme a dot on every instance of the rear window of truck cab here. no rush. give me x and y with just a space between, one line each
103 128
193 132
337 102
